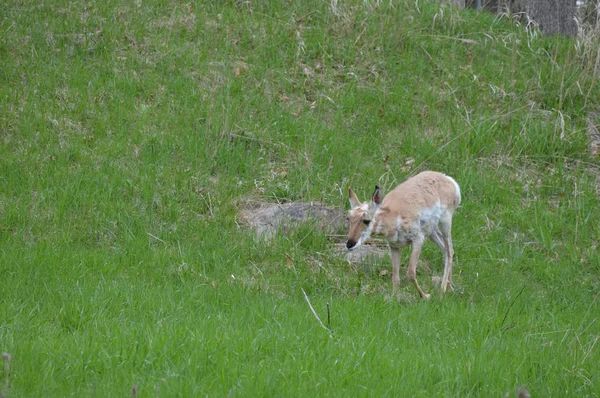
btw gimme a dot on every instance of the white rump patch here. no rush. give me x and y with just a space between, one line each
456 187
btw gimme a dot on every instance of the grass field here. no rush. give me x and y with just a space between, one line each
131 133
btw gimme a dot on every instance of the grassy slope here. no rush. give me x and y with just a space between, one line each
131 132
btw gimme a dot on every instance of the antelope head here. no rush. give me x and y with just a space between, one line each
361 218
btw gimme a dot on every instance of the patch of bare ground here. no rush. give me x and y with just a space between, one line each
266 219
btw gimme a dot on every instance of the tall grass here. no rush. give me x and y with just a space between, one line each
132 132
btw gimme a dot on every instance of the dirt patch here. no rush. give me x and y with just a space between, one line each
268 218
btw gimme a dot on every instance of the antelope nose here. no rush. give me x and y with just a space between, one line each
350 244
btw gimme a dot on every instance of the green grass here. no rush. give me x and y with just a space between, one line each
131 132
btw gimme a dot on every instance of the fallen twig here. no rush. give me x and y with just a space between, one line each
315 313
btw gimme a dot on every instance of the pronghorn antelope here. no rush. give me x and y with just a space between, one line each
421 207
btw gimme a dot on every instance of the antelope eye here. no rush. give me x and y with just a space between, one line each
367 222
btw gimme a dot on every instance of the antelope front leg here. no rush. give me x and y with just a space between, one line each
417 244
395 254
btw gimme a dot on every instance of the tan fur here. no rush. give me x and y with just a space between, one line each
409 198
421 207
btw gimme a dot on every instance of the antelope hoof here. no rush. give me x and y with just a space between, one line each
426 296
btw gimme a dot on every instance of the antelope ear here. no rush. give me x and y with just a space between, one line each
376 196
354 202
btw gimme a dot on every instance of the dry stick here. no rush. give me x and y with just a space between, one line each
315 313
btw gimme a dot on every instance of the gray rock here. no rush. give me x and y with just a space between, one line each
268 218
